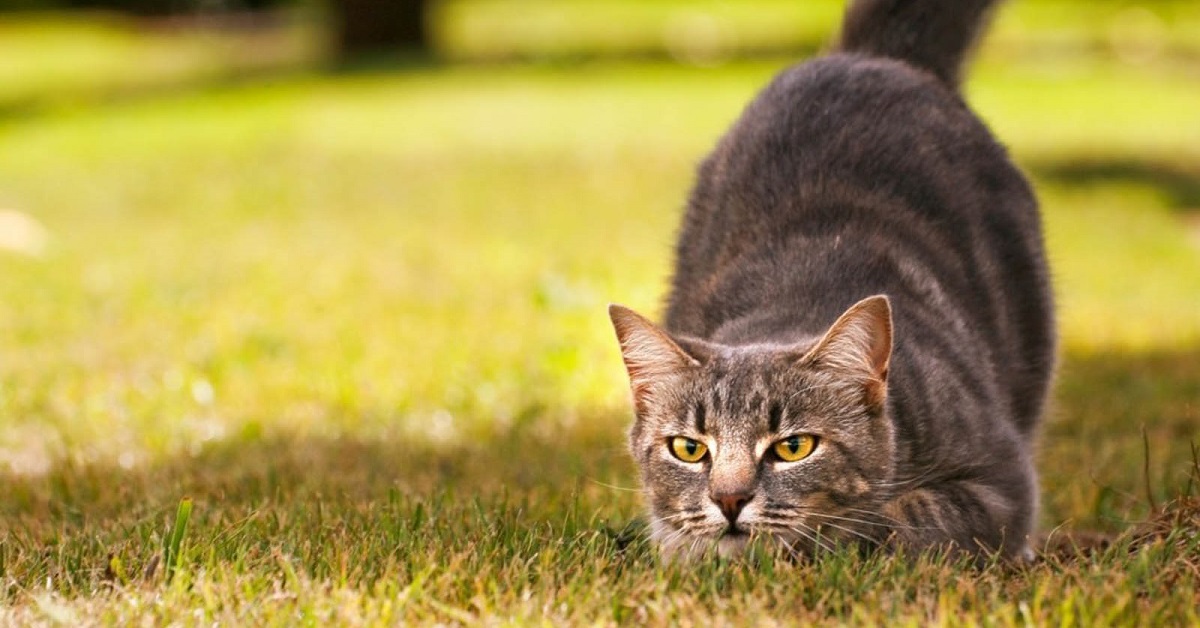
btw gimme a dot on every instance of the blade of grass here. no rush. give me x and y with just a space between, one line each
1146 470
174 541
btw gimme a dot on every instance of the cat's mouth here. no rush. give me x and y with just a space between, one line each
732 542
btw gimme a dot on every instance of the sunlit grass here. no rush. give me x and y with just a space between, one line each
359 320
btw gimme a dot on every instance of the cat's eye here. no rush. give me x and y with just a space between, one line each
795 448
688 450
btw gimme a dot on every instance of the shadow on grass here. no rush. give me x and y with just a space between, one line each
1179 182
1117 455
356 509
254 470
346 507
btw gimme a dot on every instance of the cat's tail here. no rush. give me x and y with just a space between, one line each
934 35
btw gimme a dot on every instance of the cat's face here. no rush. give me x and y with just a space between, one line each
790 444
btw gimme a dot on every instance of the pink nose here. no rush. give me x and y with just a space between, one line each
731 504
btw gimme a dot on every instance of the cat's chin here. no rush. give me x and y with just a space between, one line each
728 546
732 545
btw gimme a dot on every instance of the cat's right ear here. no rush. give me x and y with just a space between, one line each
860 344
649 353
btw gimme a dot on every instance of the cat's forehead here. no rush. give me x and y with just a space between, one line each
754 366
753 380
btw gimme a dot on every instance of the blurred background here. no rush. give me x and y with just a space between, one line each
237 235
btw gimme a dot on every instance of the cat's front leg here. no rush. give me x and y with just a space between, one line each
964 515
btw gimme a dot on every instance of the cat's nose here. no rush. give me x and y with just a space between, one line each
731 504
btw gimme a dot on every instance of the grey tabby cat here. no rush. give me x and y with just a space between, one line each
859 338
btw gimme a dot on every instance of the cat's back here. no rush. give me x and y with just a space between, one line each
853 175
878 126
854 150
857 118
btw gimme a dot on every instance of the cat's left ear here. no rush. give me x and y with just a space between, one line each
650 354
859 344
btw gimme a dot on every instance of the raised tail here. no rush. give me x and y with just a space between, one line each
933 35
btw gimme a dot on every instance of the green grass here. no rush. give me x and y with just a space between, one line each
358 321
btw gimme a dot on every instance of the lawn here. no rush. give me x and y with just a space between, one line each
358 320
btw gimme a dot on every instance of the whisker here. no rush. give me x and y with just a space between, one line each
850 519
851 531
669 540
891 521
685 516
791 525
811 535
615 487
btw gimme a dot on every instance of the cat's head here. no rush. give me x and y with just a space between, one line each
788 443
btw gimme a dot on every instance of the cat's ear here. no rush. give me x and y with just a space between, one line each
648 351
860 344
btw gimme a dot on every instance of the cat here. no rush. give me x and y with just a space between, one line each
859 336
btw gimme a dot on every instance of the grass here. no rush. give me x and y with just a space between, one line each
358 321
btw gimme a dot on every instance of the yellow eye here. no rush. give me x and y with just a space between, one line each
687 449
795 448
